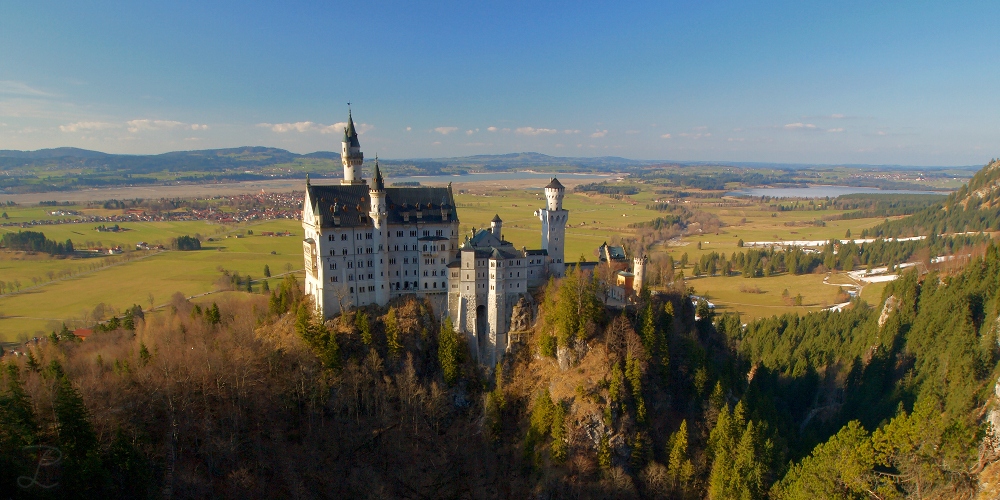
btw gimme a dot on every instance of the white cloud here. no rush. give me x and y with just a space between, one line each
146 125
839 129
492 129
192 139
736 139
701 127
445 130
81 126
881 132
19 88
633 132
799 126
534 131
436 143
409 129
470 132
665 136
307 126
571 131
599 133
695 136
837 115
195 126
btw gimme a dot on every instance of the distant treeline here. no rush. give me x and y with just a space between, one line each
758 263
33 241
884 205
185 243
605 188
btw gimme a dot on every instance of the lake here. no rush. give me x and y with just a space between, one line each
499 176
822 192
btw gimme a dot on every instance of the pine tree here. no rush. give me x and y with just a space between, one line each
392 333
559 445
679 467
361 322
450 353
213 315
18 429
267 271
83 473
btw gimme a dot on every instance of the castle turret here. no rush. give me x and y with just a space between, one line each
639 270
497 309
495 226
350 154
553 219
380 232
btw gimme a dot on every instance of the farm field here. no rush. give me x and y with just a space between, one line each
70 288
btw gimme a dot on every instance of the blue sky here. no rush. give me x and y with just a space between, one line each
808 82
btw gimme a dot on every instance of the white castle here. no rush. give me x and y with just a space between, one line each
367 244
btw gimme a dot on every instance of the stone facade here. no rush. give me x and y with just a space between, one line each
367 244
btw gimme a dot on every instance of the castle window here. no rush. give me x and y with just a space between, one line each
369 276
466 287
425 248
442 260
368 236
343 237
350 277
334 279
413 233
357 236
344 252
392 261
331 252
397 285
395 248
333 265
444 284
435 284
397 273
330 238
425 286
439 233
369 263
425 273
434 272
352 289
350 264
399 234
427 233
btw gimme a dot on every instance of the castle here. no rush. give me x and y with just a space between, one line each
365 244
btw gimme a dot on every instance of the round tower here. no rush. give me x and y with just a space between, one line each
496 225
380 232
350 154
639 270
553 218
554 193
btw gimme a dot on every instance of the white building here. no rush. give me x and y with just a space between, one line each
366 244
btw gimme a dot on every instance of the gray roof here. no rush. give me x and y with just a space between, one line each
350 133
352 203
496 218
554 184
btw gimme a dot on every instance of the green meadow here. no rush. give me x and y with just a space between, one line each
57 290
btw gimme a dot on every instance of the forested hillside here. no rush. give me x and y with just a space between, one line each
974 207
253 397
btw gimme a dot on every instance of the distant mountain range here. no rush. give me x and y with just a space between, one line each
222 159
60 169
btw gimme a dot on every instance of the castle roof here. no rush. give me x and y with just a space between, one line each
554 184
377 183
350 134
351 203
496 218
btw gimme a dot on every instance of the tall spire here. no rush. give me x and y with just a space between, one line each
377 183
352 134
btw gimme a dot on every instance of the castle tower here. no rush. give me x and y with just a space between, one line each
639 270
495 226
379 215
350 154
554 226
496 308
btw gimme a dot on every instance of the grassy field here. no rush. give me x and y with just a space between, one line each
594 219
